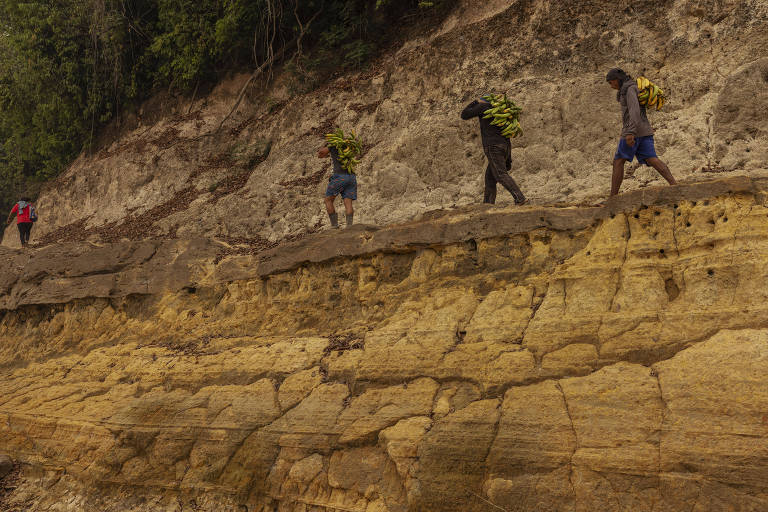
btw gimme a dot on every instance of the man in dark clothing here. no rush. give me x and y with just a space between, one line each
636 133
341 182
498 150
24 214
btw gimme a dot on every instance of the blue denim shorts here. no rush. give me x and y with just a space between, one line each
342 184
642 150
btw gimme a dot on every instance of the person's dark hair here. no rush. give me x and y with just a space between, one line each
620 75
617 74
26 199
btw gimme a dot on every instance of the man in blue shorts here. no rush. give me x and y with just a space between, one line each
341 182
636 133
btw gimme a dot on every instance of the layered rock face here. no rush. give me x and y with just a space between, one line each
172 172
489 358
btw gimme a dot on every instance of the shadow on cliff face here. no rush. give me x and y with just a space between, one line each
9 482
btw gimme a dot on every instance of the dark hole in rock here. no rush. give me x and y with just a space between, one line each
672 289
637 216
710 272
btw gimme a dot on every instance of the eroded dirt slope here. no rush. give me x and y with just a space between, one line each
256 181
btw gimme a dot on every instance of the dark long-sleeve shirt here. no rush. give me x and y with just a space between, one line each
491 134
337 168
634 117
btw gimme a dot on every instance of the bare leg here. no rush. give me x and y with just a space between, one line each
329 204
663 170
618 175
350 214
332 215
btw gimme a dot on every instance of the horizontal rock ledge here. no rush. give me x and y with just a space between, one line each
59 274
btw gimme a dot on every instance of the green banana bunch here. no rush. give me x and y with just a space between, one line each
505 114
650 95
348 147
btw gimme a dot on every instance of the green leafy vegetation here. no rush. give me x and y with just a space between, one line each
68 67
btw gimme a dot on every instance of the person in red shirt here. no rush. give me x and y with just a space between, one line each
23 212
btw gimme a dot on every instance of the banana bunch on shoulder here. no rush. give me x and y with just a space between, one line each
348 147
505 114
650 95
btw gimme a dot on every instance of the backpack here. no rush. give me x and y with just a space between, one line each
649 94
32 213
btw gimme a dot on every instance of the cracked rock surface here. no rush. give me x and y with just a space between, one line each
571 359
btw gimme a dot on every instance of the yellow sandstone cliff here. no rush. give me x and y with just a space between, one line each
488 358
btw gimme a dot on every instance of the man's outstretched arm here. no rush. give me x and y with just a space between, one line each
474 109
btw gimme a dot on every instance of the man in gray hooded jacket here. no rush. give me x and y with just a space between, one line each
636 133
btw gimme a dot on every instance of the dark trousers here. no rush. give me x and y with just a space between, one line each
499 164
25 228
